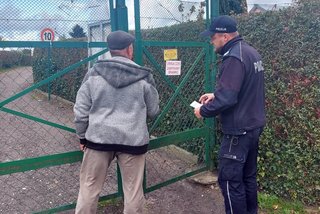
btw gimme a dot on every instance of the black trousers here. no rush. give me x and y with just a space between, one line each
238 172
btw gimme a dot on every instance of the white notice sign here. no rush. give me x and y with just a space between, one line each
173 67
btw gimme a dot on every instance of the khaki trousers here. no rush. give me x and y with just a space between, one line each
93 174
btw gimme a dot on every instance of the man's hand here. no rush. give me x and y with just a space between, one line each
82 147
206 98
197 112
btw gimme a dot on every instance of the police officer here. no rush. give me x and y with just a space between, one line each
239 100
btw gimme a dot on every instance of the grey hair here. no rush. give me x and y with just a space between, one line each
115 52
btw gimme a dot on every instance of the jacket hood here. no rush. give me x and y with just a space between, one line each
120 71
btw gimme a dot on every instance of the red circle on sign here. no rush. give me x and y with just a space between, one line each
47 35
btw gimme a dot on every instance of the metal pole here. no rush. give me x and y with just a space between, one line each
49 71
214 12
120 17
121 14
112 16
138 47
119 178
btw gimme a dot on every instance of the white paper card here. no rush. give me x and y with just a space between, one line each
195 104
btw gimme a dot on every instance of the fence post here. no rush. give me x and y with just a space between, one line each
214 12
49 71
120 22
121 16
119 178
137 48
112 16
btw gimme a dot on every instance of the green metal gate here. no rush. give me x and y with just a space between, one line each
40 160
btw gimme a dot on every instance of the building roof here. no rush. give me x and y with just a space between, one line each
264 7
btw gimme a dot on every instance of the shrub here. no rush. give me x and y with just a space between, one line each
9 59
68 84
289 156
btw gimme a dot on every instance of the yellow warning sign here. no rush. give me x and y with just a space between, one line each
170 54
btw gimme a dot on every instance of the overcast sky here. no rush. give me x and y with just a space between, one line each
56 14
268 2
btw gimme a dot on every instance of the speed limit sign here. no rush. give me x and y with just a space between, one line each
47 35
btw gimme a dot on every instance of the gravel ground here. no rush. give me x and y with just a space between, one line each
181 197
184 197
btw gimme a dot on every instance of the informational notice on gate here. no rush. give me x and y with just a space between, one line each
173 67
170 54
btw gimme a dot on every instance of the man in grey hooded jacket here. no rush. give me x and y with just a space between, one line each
113 103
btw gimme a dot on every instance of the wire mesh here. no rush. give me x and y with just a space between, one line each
43 189
175 160
40 121
169 21
165 13
24 138
179 115
23 20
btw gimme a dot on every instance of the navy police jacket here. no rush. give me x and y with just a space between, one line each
240 94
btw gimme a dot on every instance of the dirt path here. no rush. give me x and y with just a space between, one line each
181 197
184 197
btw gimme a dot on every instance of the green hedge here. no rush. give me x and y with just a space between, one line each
9 59
67 85
289 157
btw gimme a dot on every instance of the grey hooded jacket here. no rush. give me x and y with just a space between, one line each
113 103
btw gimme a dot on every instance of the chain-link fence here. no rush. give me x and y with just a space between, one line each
23 20
39 159
172 22
163 14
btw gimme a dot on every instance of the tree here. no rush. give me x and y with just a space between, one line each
77 32
192 10
201 10
299 2
227 7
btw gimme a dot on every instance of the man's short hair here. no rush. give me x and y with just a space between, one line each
116 52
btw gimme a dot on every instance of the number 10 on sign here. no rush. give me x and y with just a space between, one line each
47 35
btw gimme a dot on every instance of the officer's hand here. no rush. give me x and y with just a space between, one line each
197 112
206 98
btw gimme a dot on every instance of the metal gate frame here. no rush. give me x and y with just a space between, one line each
210 58
186 135
119 14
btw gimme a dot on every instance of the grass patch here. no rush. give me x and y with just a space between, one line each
9 69
38 95
114 206
110 202
273 204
